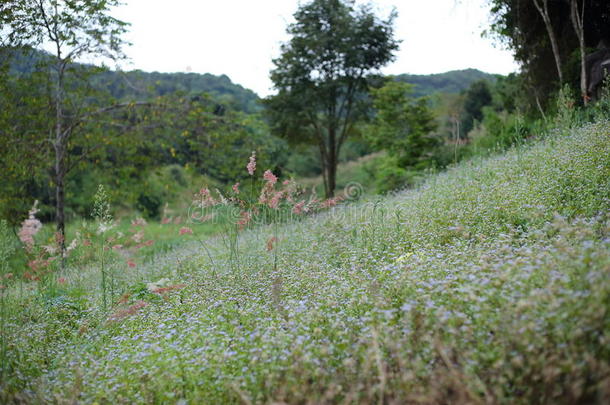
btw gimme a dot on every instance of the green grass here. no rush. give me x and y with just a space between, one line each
488 284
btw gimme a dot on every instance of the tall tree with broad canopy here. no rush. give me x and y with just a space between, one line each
72 29
323 74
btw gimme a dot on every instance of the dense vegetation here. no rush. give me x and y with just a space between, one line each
218 110
554 41
164 237
487 284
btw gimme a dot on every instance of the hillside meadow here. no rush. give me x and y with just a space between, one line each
487 284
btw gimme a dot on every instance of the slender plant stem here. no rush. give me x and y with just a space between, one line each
207 251
3 338
103 275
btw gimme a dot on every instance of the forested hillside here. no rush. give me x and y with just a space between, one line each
452 82
137 84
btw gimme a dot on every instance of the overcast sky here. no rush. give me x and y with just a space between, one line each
239 38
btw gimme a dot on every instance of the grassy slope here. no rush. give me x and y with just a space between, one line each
489 284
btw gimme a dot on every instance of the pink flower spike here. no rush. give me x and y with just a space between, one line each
235 188
275 200
185 230
251 166
270 177
29 228
131 263
298 208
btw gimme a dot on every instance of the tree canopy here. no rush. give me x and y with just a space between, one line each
402 125
544 40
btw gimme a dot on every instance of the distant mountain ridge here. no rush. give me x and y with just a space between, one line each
137 84
454 81
221 88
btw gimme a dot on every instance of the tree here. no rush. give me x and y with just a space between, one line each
24 152
578 19
323 73
543 9
74 29
214 139
476 97
527 27
403 125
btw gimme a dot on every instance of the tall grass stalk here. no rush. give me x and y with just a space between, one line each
101 213
7 246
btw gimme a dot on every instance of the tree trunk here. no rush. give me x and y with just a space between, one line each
332 177
331 164
60 171
60 160
544 13
578 23
324 170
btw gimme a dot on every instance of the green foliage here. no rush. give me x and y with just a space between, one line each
565 107
161 186
191 133
389 174
121 147
149 203
476 97
24 149
501 130
402 125
303 161
140 85
601 108
507 93
8 245
227 94
75 29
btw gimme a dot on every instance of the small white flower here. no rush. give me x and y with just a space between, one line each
157 284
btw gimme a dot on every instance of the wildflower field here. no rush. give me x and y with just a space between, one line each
490 284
